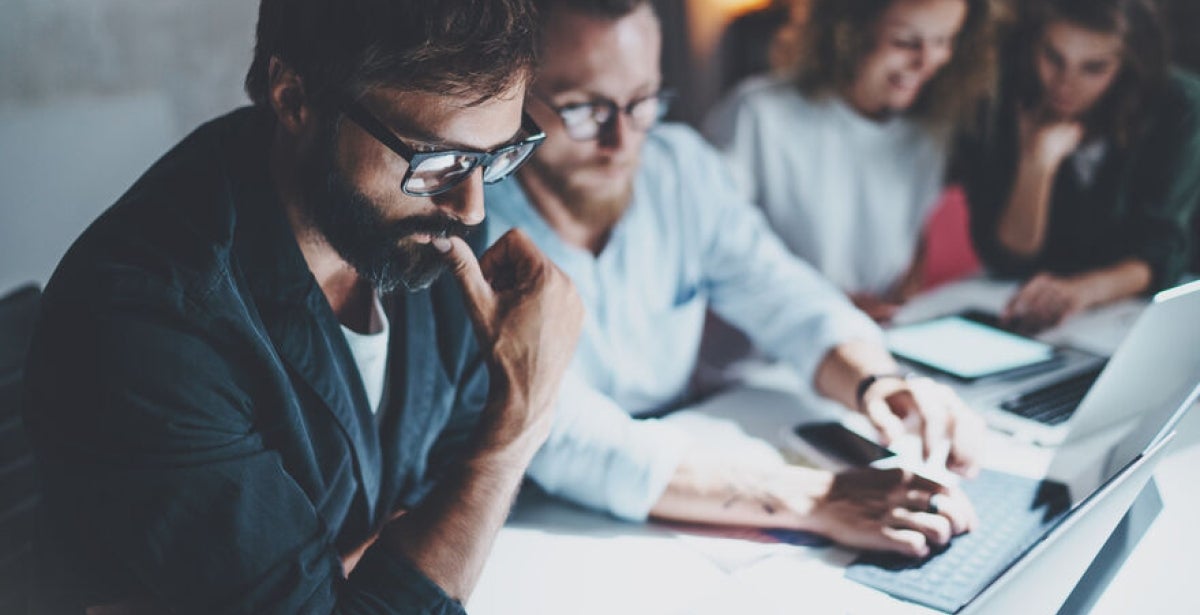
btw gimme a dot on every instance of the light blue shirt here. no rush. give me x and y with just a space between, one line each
687 242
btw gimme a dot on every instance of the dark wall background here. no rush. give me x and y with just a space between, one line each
92 91
1184 16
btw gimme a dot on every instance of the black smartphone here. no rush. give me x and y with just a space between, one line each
840 444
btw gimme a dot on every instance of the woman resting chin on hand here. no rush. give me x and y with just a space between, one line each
1085 182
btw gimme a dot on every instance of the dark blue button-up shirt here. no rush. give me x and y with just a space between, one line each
202 434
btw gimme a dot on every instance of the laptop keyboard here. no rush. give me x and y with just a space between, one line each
1014 512
1053 403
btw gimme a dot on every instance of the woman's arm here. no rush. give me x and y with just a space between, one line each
1047 300
1022 224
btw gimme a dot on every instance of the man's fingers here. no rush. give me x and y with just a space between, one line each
919 401
947 418
513 262
967 431
934 527
880 414
903 541
924 483
928 405
947 502
481 300
950 502
955 507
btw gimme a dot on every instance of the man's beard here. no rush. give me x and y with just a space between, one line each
381 251
584 205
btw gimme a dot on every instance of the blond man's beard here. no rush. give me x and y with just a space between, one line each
583 204
598 212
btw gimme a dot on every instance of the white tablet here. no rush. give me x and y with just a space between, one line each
966 349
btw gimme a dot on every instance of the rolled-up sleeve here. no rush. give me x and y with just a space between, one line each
385 583
599 456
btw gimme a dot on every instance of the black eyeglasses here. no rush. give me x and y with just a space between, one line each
584 121
432 173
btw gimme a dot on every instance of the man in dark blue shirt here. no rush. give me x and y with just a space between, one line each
250 389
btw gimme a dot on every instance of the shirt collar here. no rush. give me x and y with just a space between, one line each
267 250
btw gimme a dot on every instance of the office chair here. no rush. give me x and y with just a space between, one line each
1196 243
18 489
949 254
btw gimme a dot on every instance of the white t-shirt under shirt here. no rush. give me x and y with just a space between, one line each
370 351
846 193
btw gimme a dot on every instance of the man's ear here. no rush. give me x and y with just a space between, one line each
287 97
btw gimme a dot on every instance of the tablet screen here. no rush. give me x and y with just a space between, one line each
966 349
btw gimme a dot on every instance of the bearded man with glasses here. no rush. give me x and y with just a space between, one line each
251 390
648 223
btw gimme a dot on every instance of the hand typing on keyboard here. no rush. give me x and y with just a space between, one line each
891 510
1014 512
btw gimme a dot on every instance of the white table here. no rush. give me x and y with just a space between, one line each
552 557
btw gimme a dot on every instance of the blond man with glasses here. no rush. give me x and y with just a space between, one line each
647 222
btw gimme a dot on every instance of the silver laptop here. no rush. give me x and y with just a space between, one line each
1115 438
1043 579
1160 354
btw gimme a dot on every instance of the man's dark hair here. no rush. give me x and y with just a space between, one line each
449 47
611 9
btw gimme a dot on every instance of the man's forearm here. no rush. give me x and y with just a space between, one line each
711 492
846 365
450 535
527 317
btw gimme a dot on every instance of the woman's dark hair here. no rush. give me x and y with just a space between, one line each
478 48
828 40
1145 58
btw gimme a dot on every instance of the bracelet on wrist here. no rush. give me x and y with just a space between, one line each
864 385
